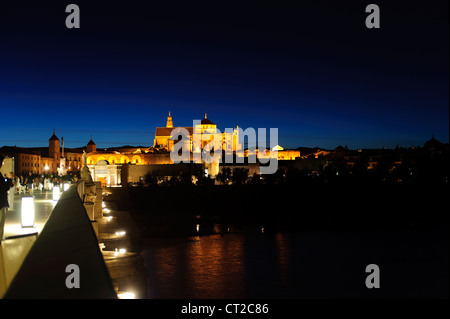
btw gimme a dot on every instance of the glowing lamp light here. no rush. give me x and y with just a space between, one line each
126 295
56 193
27 214
66 186
120 251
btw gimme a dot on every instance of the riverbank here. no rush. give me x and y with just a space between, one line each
121 248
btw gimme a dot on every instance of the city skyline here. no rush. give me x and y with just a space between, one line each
314 71
79 144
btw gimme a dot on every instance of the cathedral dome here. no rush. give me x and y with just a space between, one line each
205 121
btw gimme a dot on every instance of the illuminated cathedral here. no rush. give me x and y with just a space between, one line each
107 165
230 140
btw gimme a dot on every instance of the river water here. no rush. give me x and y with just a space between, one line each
304 264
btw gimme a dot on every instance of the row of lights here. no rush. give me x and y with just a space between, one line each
27 220
118 252
28 212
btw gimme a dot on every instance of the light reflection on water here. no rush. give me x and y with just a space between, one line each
318 264
233 265
196 267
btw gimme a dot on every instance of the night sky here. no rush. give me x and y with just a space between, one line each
309 68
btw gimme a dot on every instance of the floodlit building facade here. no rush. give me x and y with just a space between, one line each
106 164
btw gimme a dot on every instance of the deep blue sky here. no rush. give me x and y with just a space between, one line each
312 69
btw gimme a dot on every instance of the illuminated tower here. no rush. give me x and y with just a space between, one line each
53 147
169 121
91 146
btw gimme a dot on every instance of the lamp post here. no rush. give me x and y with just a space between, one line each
55 193
27 214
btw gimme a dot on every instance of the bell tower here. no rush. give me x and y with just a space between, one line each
53 147
169 121
91 146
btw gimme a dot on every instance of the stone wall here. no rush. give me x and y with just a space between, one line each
133 173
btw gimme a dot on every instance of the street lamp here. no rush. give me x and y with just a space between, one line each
27 214
126 295
55 193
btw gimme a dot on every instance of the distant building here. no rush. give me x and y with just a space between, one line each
432 144
230 141
40 160
285 154
106 164
8 166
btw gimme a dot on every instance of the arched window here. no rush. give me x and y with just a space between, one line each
101 158
112 160
136 159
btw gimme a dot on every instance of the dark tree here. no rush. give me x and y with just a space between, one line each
240 176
